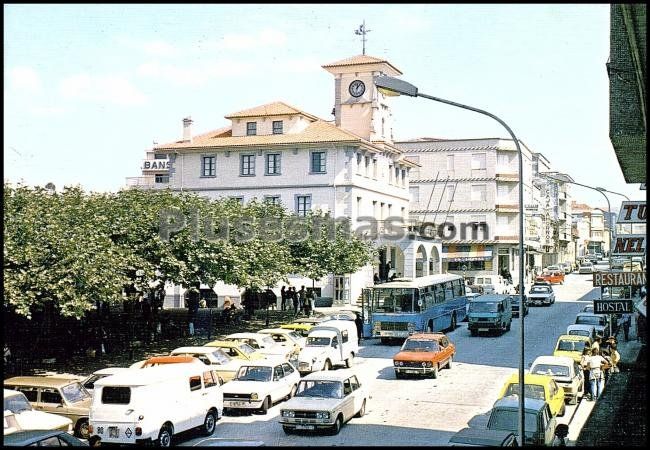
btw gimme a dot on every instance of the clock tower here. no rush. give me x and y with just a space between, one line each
358 106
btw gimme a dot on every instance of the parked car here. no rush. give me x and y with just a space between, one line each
151 405
424 354
552 274
262 343
599 321
582 330
490 312
586 267
324 400
514 304
566 373
601 266
539 423
163 360
26 418
238 350
480 437
89 382
259 385
62 396
225 366
571 345
541 387
304 324
42 438
493 284
288 338
329 344
540 294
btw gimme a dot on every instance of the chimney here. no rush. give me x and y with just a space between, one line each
187 129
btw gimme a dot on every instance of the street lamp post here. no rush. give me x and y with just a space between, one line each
617 193
394 86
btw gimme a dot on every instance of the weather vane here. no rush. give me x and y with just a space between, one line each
362 32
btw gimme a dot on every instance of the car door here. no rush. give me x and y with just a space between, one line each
50 400
278 385
348 403
556 396
357 393
291 377
548 423
212 386
445 351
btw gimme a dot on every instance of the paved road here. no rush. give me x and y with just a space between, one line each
417 412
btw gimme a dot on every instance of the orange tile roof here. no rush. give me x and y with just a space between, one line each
270 109
358 60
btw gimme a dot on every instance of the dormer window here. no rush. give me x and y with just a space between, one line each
251 128
277 127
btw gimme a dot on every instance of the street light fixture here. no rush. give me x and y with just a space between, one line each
393 87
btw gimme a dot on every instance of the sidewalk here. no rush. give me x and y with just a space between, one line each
618 418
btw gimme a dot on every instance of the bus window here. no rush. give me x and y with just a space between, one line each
458 288
449 291
439 293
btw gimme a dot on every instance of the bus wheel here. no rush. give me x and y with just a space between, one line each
473 332
385 341
453 322
430 327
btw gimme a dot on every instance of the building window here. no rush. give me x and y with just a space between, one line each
450 193
247 165
478 164
479 193
277 127
160 178
450 165
374 168
358 206
303 204
160 156
240 200
367 165
390 174
209 166
396 175
273 199
273 164
415 194
318 162
403 177
359 157
251 128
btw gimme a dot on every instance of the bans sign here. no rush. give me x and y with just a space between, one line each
619 279
630 245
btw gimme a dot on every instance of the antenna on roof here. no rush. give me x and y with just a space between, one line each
362 32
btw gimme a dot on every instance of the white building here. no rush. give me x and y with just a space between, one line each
348 168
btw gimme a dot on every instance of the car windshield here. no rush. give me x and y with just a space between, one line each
295 336
590 320
320 388
587 264
245 348
254 373
571 346
478 307
539 290
74 393
508 419
549 268
550 369
318 341
17 404
413 345
530 390
90 381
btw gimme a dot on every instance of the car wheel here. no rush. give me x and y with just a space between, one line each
294 388
348 362
450 362
362 411
287 430
164 437
266 404
337 426
81 429
327 365
209 424
434 373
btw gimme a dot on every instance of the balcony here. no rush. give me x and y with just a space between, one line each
140 182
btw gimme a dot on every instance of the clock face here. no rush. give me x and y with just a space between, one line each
357 88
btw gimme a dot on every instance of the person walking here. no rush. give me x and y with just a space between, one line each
359 323
608 364
627 322
192 302
283 296
584 364
302 294
596 377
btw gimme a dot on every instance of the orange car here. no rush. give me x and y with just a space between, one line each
424 354
552 274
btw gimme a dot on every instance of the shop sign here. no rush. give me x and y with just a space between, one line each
613 306
630 245
632 212
602 279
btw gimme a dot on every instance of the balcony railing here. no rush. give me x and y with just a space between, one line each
140 182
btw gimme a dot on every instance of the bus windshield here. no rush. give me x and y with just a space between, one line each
392 300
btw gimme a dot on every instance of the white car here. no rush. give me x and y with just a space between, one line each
493 284
599 322
20 415
258 385
586 267
89 382
261 343
288 338
582 330
225 366
566 373
325 400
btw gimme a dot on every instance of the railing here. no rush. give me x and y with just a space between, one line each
140 182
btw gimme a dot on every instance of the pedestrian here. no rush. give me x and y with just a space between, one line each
270 299
309 303
608 364
283 296
249 300
627 321
192 302
596 343
584 364
376 279
294 300
596 380
302 294
359 323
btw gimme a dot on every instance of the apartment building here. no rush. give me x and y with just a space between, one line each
593 234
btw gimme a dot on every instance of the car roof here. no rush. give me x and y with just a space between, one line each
268 361
24 438
490 298
335 375
243 335
585 313
169 359
427 336
275 330
580 326
196 349
221 343
512 401
530 378
109 370
40 381
557 360
481 436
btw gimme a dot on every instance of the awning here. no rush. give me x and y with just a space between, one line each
462 253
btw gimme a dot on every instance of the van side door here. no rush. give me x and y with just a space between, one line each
212 386
194 402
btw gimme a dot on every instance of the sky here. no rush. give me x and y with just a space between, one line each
89 88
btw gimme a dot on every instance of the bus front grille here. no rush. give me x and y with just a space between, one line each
394 326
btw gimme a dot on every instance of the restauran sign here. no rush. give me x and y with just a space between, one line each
632 212
619 279
630 245
613 306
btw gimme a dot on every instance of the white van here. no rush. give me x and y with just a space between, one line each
151 405
330 343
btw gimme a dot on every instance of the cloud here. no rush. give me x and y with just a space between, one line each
25 79
195 75
265 38
303 65
156 47
106 88
48 111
